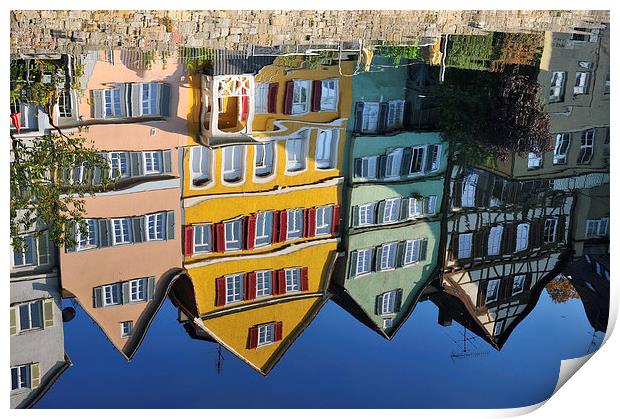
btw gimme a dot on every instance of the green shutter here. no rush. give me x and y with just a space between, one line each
167 161
377 253
48 312
423 246
105 233
355 216
170 226
400 253
352 263
98 104
125 292
150 289
13 320
137 226
135 163
380 212
35 375
97 297
43 246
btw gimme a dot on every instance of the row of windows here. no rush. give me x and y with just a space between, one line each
234 160
561 148
387 256
301 96
248 286
494 287
32 315
392 210
131 100
597 227
133 291
465 244
373 117
261 229
582 82
399 162
35 251
119 231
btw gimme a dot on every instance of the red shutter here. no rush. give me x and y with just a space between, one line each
272 99
304 278
311 222
244 233
189 240
288 97
281 282
304 223
277 331
253 337
245 106
274 282
220 291
336 219
251 232
317 87
275 238
283 225
220 240
250 286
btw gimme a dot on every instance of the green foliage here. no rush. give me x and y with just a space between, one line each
398 53
471 52
195 59
308 61
27 81
41 193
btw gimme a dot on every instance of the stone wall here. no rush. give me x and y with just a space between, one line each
76 31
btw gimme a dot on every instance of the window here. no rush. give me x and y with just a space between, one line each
590 35
367 214
370 117
137 290
556 93
549 231
263 161
232 234
301 97
89 240
119 164
391 211
293 279
495 240
518 284
263 283
202 238
155 226
412 251
499 326
329 95
64 104
31 315
388 301
261 97
562 141
266 334
492 290
326 149
234 288
587 147
20 377
523 231
393 162
534 160
323 220
582 80
387 323
363 262
431 203
416 207
112 103
121 231
468 199
598 227
607 87
369 167
26 257
264 228
435 159
395 114
152 162
465 245
201 164
295 223
388 256
150 97
296 152
111 294
232 165
126 328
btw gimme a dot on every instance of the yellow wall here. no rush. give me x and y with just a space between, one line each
316 257
232 329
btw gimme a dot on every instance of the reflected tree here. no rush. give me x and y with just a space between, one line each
561 290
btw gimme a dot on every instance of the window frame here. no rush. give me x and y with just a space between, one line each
236 171
267 230
261 98
265 166
561 138
521 238
491 298
367 211
297 147
388 302
292 279
465 239
121 222
393 160
556 92
126 328
22 382
369 161
521 278
394 211
370 117
494 242
199 247
297 227
301 107
324 227
140 292
388 256
321 162
234 288
265 335
470 186
201 156
115 291
31 316
264 283
153 162
549 236
157 217
327 98
236 230
366 262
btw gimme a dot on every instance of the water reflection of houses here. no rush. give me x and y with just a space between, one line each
261 200
394 194
37 340
120 269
